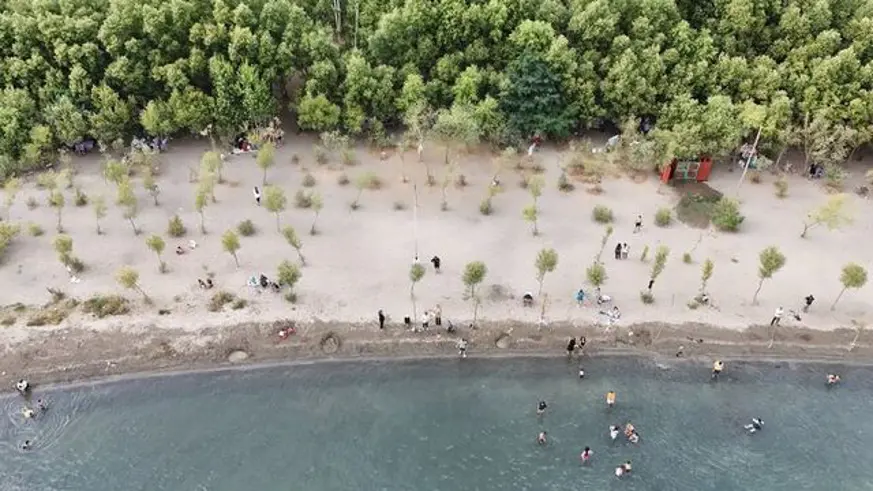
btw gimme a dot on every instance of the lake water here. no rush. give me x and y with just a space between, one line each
448 425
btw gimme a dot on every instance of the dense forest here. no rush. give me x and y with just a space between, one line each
710 73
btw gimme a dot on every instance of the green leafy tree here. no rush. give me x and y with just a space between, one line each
275 202
10 189
230 244
530 214
294 241
212 163
706 273
853 276
603 240
456 126
474 274
8 232
157 245
288 274
660 262
833 214
416 273
63 245
57 201
201 201
317 113
534 101
99 204
128 278
596 274
157 118
367 180
770 261
128 202
316 204
115 171
151 185
266 158
546 262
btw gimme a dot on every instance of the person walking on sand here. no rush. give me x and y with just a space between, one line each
438 315
638 225
436 263
777 316
257 193
807 302
618 250
625 250
571 346
381 319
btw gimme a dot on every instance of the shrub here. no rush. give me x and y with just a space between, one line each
781 186
34 230
663 217
461 181
308 180
348 157
647 298
239 303
8 320
295 159
246 228
726 215
291 297
105 305
485 207
399 206
219 299
645 255
81 198
302 199
564 183
602 214
755 176
686 258
343 179
175 227
75 264
32 203
320 154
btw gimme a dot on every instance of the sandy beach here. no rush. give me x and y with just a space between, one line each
359 263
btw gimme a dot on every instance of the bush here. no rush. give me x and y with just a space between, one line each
781 186
320 154
686 258
219 300
105 305
291 297
239 303
485 207
399 206
726 215
602 214
348 157
81 198
175 228
461 181
647 298
564 183
32 203
75 264
302 199
308 180
755 176
343 179
663 217
246 228
34 230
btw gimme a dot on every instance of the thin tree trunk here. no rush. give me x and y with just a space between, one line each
414 306
755 298
540 291
60 226
312 230
475 310
278 225
133 224
144 296
235 259
202 224
834 305
302 259
265 177
857 336
99 230
806 227
536 231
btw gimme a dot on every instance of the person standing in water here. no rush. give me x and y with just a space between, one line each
541 408
610 399
586 455
623 469
717 367
833 379
581 372
541 438
614 430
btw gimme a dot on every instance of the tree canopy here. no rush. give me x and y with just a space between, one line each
710 73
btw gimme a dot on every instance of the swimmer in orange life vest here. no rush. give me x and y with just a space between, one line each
610 398
623 469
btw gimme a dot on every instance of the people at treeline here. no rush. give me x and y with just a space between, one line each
709 74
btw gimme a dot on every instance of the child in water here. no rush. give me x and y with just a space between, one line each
586 455
541 438
623 469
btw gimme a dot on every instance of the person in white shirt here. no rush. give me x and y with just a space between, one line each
777 316
257 193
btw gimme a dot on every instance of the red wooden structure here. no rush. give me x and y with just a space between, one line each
687 170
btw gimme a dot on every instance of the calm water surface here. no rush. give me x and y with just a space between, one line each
448 425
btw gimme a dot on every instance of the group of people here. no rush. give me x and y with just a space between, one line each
621 250
264 283
156 144
25 390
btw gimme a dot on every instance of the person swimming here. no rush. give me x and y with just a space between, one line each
26 445
586 455
41 405
581 372
629 429
27 412
833 379
610 398
614 431
23 386
541 408
623 469
634 437
717 367
755 426
541 438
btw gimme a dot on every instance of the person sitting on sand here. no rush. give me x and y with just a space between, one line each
833 379
610 398
581 372
541 438
571 346
201 283
527 299
209 283
180 250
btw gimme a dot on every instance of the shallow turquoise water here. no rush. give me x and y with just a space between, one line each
448 425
